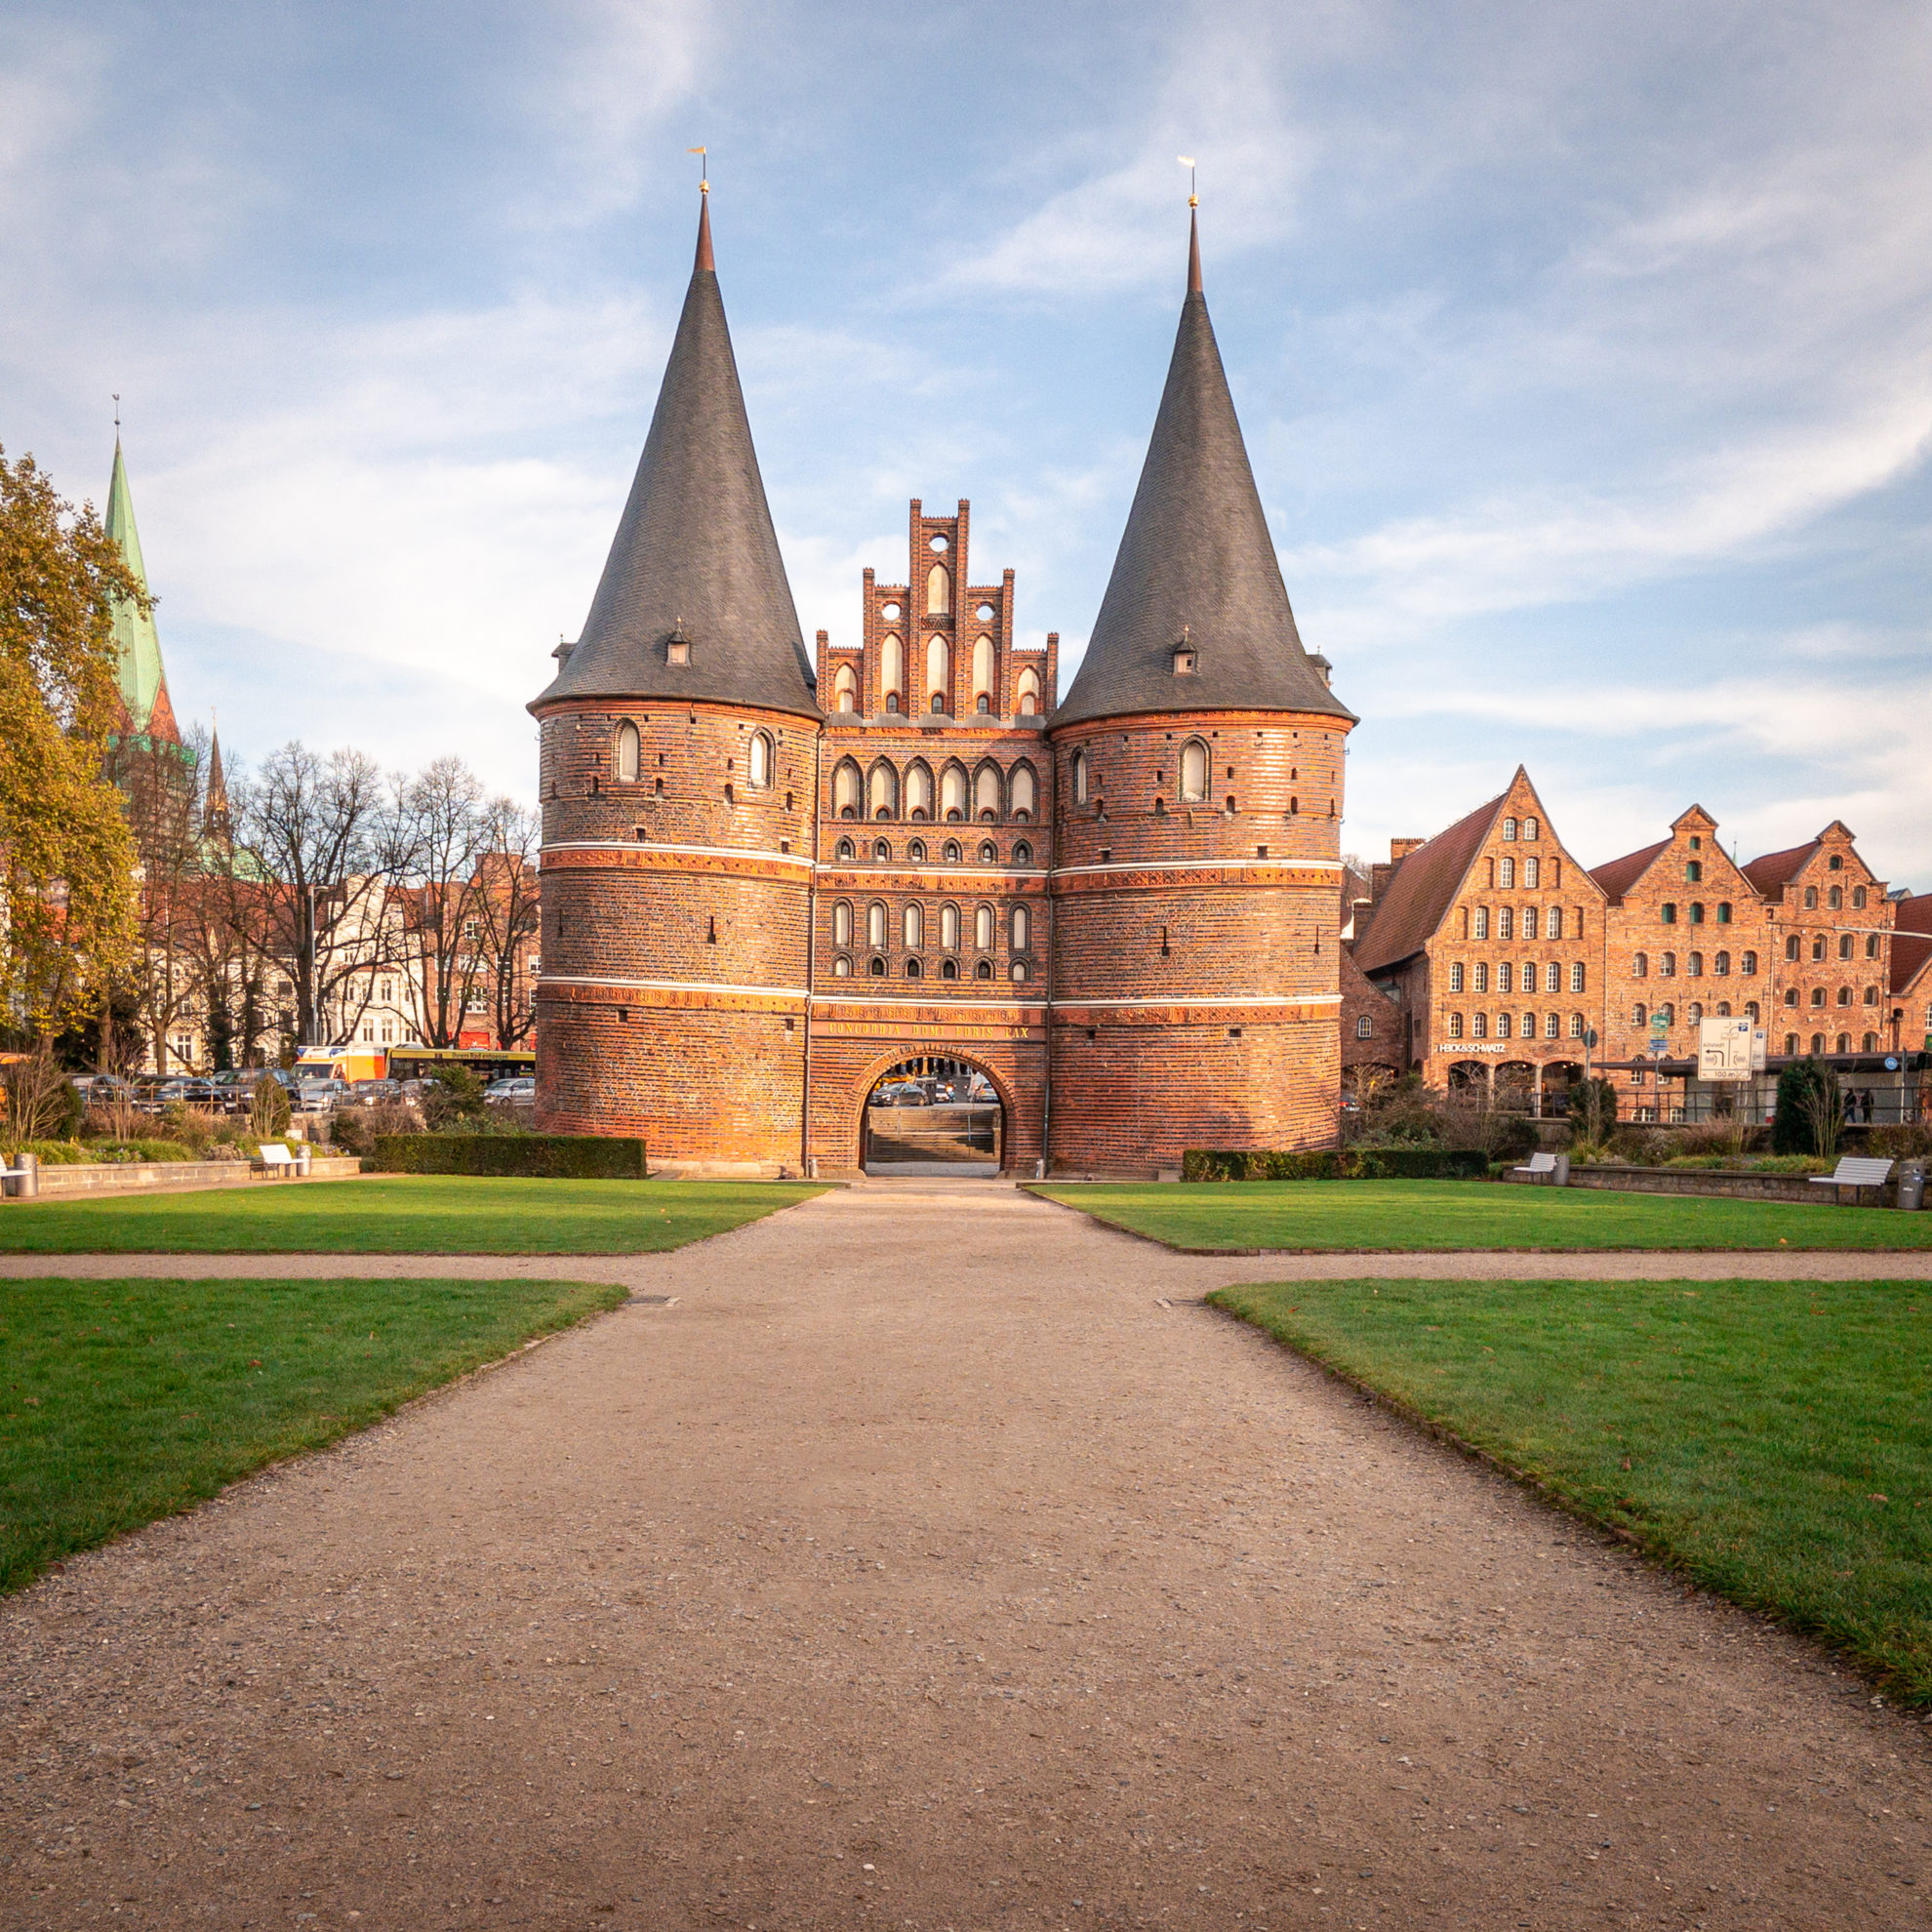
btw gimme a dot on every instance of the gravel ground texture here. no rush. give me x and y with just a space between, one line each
932 1559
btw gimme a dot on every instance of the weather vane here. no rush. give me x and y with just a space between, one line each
1188 162
117 411
703 185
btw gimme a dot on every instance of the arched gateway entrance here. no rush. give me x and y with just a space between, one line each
931 1115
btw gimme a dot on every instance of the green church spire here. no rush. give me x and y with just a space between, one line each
143 680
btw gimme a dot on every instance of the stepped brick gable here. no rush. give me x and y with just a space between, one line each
771 878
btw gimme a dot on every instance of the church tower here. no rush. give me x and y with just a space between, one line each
1199 762
677 779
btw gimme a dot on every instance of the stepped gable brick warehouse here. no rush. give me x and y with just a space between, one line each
1473 935
768 880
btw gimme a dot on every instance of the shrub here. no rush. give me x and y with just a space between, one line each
116 1153
1592 1109
551 1156
37 1102
1810 1115
268 1109
454 1100
1356 1163
1906 1142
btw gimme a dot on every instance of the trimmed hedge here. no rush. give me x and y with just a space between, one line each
1337 1164
546 1156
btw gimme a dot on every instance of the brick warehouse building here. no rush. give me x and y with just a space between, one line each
769 880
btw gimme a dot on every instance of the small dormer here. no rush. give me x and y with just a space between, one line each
677 646
1323 668
1186 657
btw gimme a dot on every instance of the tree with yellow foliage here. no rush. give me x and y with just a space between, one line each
66 860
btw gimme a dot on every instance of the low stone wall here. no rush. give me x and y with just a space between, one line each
1738 1184
134 1177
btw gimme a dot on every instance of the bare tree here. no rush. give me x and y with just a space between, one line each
160 782
446 829
326 844
508 914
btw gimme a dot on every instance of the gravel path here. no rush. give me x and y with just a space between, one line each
917 1568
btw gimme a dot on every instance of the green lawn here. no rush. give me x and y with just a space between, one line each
1425 1216
399 1214
1772 1440
121 1401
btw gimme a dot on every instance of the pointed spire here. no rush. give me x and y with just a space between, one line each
706 263
142 678
1193 251
1197 616
694 551
215 821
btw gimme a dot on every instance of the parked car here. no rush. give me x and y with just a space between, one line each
320 1096
373 1093
511 1088
186 1090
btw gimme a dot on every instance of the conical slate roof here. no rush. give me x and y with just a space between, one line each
1196 559
143 678
695 552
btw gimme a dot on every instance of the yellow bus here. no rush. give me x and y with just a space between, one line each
416 1062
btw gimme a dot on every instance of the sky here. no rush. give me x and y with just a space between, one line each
1583 352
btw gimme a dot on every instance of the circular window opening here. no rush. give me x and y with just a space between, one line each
985 614
890 612
938 542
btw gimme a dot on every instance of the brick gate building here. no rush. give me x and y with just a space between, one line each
769 877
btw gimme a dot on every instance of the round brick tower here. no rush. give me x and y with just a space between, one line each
1198 776
678 740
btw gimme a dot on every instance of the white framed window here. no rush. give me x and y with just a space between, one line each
1193 771
1576 976
1479 923
1455 1025
758 761
1479 1026
1576 1025
1504 1023
630 757
1456 976
1552 1026
1364 1027
1509 828
1529 921
1531 870
1505 872
1479 981
1530 828
1552 926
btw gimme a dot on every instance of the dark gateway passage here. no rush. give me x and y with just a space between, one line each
931 1115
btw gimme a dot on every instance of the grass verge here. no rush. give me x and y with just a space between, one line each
1771 1441
1323 1217
400 1215
121 1401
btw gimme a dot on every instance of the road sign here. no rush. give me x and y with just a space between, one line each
1724 1049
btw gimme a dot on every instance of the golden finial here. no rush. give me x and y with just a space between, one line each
703 186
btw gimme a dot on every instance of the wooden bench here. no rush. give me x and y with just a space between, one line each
1852 1171
1539 1167
276 1159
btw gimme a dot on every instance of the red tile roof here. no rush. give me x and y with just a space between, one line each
1912 945
1618 875
1768 875
1425 885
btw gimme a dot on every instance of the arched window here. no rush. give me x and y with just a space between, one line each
939 590
1019 970
882 792
952 853
1751 1011
1456 976
1694 872
1552 1025
1479 924
949 928
1505 874
1529 921
982 928
1479 1025
1721 965
1667 912
1025 792
1836 899
1576 976
1697 912
841 968
1079 778
1693 1013
882 851
1193 770
1504 1022
915 852
952 793
1479 980
1022 854
1810 905
1694 966
758 763
1576 1025
875 924
1844 946
1455 1025
1844 996
1530 828
1508 827
918 790
1022 929
1667 966
983 970
1639 1014
1858 898
877 969
1506 974
986 792
983 673
1844 1044
845 689
1872 945
1555 922
912 969
892 672
989 853
842 923
938 674
1504 914
1030 692
845 848
846 789
1530 870
948 969
913 926
1747 965
1723 1009
1724 912
630 753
